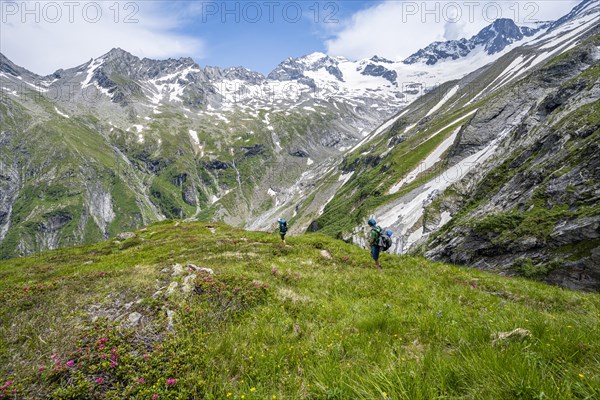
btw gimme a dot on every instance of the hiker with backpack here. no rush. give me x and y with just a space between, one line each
379 240
374 242
283 228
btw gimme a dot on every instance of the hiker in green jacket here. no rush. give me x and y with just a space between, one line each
374 242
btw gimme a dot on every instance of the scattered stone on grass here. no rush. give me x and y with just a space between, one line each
516 334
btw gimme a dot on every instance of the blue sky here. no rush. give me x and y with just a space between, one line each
260 37
44 36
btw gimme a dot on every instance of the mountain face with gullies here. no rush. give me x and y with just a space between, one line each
498 170
119 142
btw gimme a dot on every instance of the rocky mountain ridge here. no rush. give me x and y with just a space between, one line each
491 40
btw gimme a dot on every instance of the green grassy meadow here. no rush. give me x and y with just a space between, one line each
309 320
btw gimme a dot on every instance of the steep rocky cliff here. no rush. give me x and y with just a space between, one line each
534 209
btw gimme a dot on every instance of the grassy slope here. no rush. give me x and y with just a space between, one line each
283 322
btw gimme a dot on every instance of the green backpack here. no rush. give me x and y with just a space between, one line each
377 238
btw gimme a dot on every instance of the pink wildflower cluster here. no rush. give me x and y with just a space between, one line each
58 367
114 356
31 288
171 381
4 389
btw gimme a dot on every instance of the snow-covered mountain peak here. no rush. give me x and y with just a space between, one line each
501 25
294 68
312 58
494 39
117 52
316 61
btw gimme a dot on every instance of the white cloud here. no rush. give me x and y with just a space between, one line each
396 29
46 36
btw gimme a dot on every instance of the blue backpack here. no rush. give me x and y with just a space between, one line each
385 240
283 226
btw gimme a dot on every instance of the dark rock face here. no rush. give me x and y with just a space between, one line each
299 153
396 140
244 74
379 70
287 71
55 222
335 71
378 59
8 67
255 150
313 227
500 34
576 231
217 165
189 194
559 98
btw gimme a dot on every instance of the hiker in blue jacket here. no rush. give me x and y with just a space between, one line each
374 242
283 228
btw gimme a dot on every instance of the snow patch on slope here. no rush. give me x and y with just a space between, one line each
194 137
378 131
444 100
426 164
403 216
61 113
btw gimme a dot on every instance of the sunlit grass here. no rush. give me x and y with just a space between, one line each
284 322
